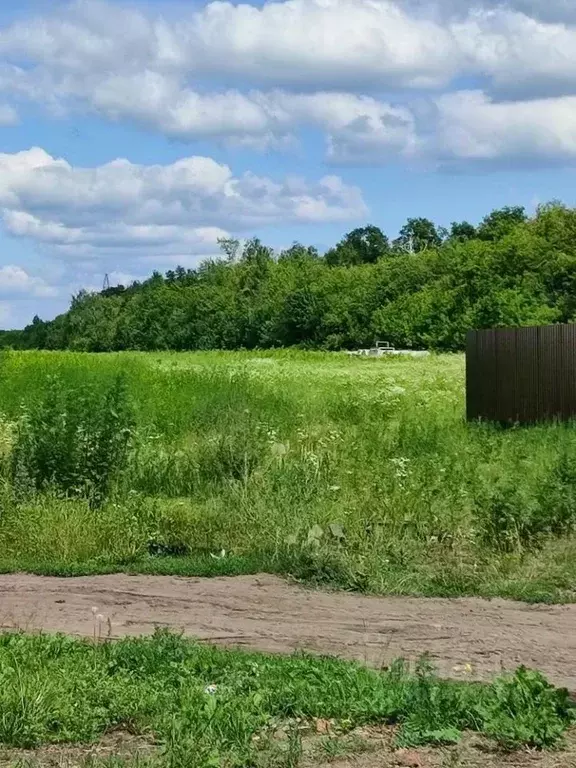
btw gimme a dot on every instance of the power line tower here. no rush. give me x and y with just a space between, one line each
106 284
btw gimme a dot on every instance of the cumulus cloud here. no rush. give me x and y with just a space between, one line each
520 55
124 208
15 281
260 119
80 58
471 127
327 43
290 64
544 10
358 128
92 48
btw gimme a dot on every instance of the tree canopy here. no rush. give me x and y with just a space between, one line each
425 289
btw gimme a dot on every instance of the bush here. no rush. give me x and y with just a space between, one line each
524 709
73 441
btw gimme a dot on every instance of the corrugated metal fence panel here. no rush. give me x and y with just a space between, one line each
550 360
521 374
569 377
528 385
473 376
506 400
487 367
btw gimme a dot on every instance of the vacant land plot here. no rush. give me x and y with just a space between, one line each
354 473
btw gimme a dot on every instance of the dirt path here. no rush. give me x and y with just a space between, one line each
266 613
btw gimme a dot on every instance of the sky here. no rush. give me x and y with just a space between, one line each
134 135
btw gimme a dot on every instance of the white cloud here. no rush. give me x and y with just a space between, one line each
291 64
123 209
353 124
125 65
93 50
358 128
544 10
519 54
16 282
323 43
327 43
471 127
142 83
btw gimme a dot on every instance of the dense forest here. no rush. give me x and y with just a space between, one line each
424 289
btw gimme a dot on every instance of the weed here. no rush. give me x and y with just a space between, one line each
435 713
72 441
524 709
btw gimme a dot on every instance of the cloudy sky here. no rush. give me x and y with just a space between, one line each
134 134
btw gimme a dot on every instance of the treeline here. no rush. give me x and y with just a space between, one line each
425 289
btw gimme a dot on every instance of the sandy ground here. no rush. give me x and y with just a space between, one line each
266 613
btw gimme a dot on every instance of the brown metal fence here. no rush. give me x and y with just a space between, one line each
521 375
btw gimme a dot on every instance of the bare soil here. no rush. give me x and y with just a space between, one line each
370 747
466 638
472 752
120 745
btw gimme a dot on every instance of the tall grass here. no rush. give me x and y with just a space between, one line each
361 473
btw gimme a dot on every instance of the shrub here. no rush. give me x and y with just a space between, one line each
73 441
524 709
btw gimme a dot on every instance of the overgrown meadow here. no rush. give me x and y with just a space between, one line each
360 474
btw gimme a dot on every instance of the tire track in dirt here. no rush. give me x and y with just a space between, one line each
268 614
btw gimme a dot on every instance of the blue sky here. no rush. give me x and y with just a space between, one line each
134 134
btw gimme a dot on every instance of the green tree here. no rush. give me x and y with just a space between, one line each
299 253
418 235
511 270
462 231
501 222
364 245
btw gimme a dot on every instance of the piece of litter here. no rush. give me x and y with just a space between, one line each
211 689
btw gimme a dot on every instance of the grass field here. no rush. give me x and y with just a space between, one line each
353 473
348 473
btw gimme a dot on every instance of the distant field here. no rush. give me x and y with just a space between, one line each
354 473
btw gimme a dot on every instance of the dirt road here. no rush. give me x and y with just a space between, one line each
266 613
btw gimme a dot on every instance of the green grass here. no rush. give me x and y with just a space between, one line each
204 706
360 474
